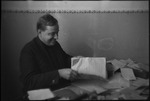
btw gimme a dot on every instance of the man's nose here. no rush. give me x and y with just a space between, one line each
56 36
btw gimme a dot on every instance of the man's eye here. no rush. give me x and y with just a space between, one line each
52 34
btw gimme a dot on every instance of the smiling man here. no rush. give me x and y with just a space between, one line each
43 63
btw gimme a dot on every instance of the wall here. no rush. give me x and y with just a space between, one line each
104 33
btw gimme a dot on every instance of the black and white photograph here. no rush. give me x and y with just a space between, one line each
74 50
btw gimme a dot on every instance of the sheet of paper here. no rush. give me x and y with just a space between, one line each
77 90
129 61
133 65
117 82
132 94
128 74
117 64
90 87
124 61
41 94
140 82
91 77
143 67
90 65
64 98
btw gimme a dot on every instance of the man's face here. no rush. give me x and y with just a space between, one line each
49 36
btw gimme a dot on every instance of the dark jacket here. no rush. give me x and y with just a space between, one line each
39 65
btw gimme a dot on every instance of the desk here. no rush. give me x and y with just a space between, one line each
127 93
113 89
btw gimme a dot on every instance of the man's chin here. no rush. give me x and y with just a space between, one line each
51 44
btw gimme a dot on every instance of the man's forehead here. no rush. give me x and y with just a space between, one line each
56 27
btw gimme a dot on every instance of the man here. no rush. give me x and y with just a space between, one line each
43 63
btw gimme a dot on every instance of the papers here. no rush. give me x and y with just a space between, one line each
77 90
91 66
92 88
89 86
140 82
117 64
131 94
128 74
91 77
65 93
64 98
122 63
135 66
41 94
117 82
144 67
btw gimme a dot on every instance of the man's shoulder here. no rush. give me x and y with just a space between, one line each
29 45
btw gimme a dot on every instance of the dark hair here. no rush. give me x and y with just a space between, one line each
46 20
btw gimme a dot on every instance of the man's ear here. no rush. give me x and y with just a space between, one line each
39 31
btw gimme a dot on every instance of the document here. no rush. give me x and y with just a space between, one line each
89 86
128 74
117 64
117 82
122 63
143 67
140 82
90 65
40 94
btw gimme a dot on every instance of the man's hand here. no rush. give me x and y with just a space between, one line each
68 74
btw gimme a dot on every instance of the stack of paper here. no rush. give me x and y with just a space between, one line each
40 94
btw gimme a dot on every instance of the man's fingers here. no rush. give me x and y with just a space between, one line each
73 75
74 72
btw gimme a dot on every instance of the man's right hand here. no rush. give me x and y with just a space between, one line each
68 74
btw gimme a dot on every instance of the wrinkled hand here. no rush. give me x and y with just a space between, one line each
68 74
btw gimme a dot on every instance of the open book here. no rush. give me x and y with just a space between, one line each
90 66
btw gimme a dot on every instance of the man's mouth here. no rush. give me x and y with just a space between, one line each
52 41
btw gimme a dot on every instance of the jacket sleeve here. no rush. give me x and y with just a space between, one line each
31 76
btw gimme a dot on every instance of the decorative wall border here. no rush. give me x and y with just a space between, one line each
74 11
79 7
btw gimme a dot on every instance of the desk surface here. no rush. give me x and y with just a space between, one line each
73 92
